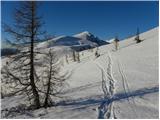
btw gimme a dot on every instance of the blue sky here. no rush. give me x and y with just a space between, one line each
105 19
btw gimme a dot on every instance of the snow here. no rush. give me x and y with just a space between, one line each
118 84
83 35
110 40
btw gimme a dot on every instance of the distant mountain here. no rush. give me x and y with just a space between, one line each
82 40
90 37
9 51
8 48
6 44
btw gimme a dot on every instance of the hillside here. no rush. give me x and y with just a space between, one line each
117 84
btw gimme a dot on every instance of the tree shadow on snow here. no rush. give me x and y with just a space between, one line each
99 99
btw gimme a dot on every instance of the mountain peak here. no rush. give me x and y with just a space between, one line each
83 35
90 37
85 32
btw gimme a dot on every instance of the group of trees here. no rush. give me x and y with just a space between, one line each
137 39
27 72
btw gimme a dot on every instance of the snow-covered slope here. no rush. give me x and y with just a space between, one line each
118 84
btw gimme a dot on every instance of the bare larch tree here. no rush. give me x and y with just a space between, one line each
26 31
52 79
137 38
74 55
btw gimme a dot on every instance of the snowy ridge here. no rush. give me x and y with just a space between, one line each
84 38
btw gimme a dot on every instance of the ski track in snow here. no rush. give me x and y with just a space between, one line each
106 108
126 87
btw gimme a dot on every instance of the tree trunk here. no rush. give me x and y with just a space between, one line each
32 81
74 56
46 104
